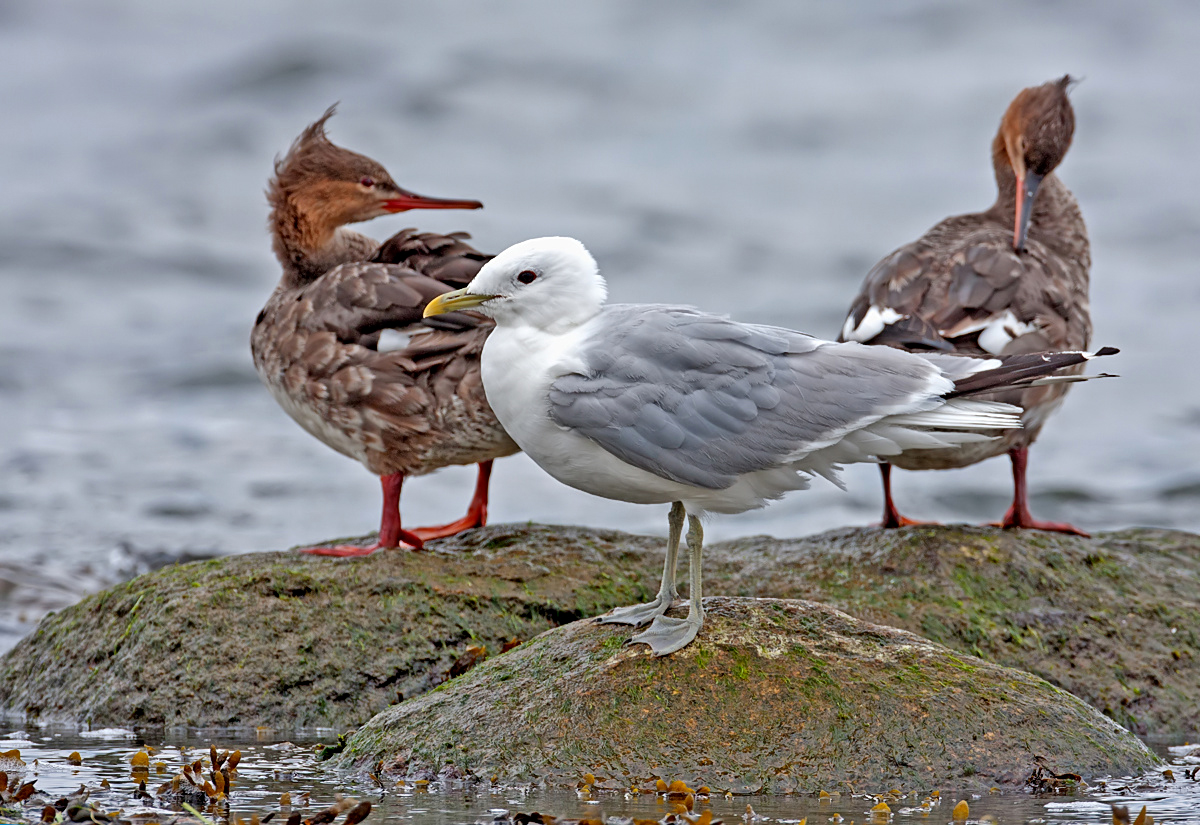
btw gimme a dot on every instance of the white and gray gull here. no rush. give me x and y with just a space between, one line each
658 404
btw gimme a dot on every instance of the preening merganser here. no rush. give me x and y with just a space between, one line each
1011 279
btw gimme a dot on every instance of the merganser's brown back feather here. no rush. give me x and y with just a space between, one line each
446 257
963 272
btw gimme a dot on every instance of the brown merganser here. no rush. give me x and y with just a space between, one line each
1011 279
316 344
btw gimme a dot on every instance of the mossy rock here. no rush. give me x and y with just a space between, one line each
1114 619
288 640
774 696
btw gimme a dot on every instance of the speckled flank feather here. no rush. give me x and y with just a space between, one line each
962 288
410 410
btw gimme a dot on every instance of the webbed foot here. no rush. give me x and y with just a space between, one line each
666 635
637 614
1024 521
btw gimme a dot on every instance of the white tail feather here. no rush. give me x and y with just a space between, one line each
963 414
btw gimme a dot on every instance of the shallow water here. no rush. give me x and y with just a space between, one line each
754 158
271 767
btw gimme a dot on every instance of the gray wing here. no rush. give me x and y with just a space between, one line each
700 399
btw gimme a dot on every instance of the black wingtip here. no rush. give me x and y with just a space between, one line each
1025 369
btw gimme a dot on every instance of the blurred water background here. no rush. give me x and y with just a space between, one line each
753 158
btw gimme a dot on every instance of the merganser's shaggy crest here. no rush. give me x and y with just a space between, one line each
1012 279
653 404
317 342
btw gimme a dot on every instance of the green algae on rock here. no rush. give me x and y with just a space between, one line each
775 696
288 640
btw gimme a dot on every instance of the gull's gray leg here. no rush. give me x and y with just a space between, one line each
666 635
641 614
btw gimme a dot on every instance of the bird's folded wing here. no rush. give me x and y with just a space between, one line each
700 399
981 299
356 301
447 258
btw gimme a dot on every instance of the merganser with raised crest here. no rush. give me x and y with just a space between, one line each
316 344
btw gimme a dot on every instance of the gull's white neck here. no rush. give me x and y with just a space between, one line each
520 361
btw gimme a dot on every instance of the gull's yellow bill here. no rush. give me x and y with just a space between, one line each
454 301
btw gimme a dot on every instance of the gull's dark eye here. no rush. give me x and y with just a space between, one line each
368 182
527 277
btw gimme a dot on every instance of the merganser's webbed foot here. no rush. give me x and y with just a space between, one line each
476 514
1018 516
892 520
637 615
891 516
391 534
666 635
342 550
407 541
1024 521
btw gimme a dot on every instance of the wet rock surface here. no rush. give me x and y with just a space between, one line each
774 696
287 640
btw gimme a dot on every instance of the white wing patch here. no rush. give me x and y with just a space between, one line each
871 325
394 340
999 330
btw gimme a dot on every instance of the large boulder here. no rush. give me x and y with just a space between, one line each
774 696
285 640
1114 619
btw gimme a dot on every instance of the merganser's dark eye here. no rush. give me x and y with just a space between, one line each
527 277
368 182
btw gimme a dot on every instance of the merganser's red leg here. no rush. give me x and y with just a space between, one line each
891 516
1018 515
476 513
390 531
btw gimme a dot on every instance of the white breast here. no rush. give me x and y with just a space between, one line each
519 364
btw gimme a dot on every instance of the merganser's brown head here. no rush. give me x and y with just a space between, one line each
1034 136
331 186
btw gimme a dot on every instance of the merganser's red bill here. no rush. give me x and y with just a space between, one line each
408 200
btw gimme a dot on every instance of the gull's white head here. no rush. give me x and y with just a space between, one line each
549 283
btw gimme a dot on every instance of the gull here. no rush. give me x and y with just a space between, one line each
1011 279
658 404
